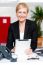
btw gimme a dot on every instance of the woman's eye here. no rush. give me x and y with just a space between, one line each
24 12
19 12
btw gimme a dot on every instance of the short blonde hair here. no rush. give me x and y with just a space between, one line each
23 5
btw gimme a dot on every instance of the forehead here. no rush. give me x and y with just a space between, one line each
22 8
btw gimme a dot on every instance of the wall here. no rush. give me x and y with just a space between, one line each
8 9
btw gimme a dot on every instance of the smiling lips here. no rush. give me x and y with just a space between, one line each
21 16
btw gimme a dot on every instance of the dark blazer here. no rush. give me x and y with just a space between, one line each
29 33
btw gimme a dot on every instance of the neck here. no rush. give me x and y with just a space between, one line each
22 23
22 26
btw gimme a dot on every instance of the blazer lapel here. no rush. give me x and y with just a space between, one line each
18 32
26 30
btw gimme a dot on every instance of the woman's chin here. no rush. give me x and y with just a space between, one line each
21 20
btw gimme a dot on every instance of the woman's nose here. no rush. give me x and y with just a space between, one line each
21 13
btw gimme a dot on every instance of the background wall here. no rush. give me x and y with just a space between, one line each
8 9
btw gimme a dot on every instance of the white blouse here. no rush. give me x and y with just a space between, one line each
21 35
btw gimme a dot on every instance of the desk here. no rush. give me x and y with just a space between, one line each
27 62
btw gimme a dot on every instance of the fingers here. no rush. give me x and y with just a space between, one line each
28 51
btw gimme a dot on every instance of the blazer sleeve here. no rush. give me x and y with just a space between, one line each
10 39
34 36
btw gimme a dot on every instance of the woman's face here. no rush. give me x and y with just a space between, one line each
22 14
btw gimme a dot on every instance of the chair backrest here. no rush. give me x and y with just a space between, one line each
4 25
40 42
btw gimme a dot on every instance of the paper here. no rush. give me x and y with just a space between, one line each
4 21
33 55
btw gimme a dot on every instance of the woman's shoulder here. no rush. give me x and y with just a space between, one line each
31 22
14 24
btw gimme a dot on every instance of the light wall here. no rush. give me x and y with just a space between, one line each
8 9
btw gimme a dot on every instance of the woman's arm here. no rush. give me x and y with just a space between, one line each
34 36
10 39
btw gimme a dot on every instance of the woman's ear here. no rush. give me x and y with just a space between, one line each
27 14
16 13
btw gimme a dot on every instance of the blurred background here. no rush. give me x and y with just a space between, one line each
8 16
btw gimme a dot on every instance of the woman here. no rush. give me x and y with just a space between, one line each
23 27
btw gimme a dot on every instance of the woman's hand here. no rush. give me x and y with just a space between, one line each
13 50
28 51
